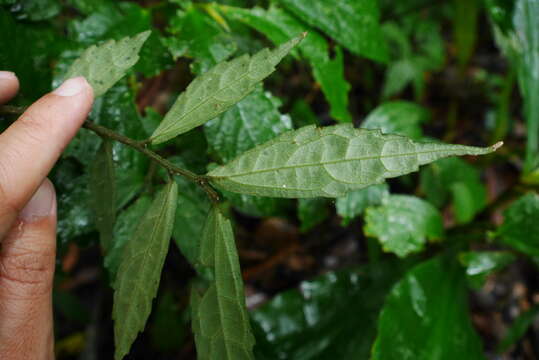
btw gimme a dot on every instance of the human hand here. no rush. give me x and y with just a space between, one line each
28 150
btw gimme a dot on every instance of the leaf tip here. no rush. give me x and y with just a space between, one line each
304 34
496 146
143 36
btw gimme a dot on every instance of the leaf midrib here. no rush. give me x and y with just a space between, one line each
221 225
332 162
160 220
203 102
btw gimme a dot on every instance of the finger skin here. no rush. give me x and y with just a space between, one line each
27 261
9 85
32 144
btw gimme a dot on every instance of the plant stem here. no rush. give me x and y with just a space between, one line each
140 146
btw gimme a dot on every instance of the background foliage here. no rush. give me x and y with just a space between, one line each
441 264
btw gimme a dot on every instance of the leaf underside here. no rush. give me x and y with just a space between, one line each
220 321
218 89
329 162
139 272
105 64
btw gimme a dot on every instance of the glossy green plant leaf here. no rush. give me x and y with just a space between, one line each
465 33
480 264
32 64
355 202
170 324
258 206
116 20
33 10
457 180
217 90
123 232
527 33
418 47
103 193
253 121
196 35
515 25
403 224
518 329
312 212
330 317
191 212
328 162
520 228
425 317
398 117
220 320
139 272
103 65
352 23
279 25
115 110
75 217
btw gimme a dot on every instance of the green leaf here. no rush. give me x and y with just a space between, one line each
466 16
253 121
88 6
170 323
258 206
425 316
103 193
302 114
398 117
355 202
75 217
33 10
520 229
195 34
515 25
328 162
468 200
403 224
480 264
116 20
312 212
418 47
32 64
220 320
105 64
217 90
459 180
140 269
518 329
111 110
192 211
352 23
330 74
278 25
123 232
330 317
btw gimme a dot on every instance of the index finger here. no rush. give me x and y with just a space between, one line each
32 144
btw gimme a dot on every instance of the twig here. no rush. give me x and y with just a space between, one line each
140 146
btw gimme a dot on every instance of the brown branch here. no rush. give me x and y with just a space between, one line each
140 146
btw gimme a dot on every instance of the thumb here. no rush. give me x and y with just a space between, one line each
27 261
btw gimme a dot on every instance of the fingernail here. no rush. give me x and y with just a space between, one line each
42 204
7 75
71 87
